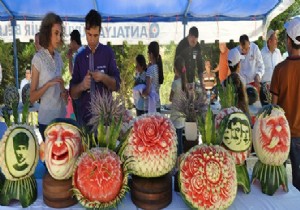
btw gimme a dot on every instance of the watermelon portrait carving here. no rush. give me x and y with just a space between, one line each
207 173
100 178
237 139
235 127
271 141
62 147
18 159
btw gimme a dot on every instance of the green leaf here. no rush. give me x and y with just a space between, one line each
101 132
25 111
15 111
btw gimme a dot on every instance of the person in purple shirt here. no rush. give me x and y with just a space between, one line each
95 69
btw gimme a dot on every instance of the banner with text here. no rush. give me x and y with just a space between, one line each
116 33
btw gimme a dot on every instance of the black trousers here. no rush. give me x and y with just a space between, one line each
295 161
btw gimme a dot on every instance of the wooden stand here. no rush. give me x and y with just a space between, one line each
151 193
57 193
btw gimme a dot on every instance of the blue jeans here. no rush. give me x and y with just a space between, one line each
42 128
295 161
179 139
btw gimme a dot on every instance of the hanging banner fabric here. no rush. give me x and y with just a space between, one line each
133 32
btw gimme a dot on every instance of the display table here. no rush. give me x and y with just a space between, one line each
255 200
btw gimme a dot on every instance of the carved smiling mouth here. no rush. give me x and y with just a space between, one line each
60 155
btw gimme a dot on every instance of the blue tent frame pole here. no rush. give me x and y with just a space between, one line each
185 18
13 24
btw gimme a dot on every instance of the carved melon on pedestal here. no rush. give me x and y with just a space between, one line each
152 149
100 178
62 149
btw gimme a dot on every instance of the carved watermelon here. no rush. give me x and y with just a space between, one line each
10 96
207 178
271 141
62 147
99 181
207 173
18 160
224 112
25 94
152 146
237 139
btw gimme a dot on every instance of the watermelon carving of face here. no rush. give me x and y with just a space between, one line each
271 140
63 146
19 152
237 134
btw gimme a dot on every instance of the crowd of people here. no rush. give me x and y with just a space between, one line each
94 69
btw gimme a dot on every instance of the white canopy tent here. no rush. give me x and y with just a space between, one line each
144 20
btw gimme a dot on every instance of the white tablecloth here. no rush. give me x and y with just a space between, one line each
255 200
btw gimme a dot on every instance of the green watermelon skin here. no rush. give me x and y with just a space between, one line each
24 190
2 179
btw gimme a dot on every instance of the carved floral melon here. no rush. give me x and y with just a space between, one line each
10 96
99 180
207 177
62 147
25 93
151 146
271 141
207 173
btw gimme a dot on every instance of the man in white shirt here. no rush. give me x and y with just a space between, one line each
26 80
271 55
252 67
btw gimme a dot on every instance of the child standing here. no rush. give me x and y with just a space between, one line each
178 85
140 102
